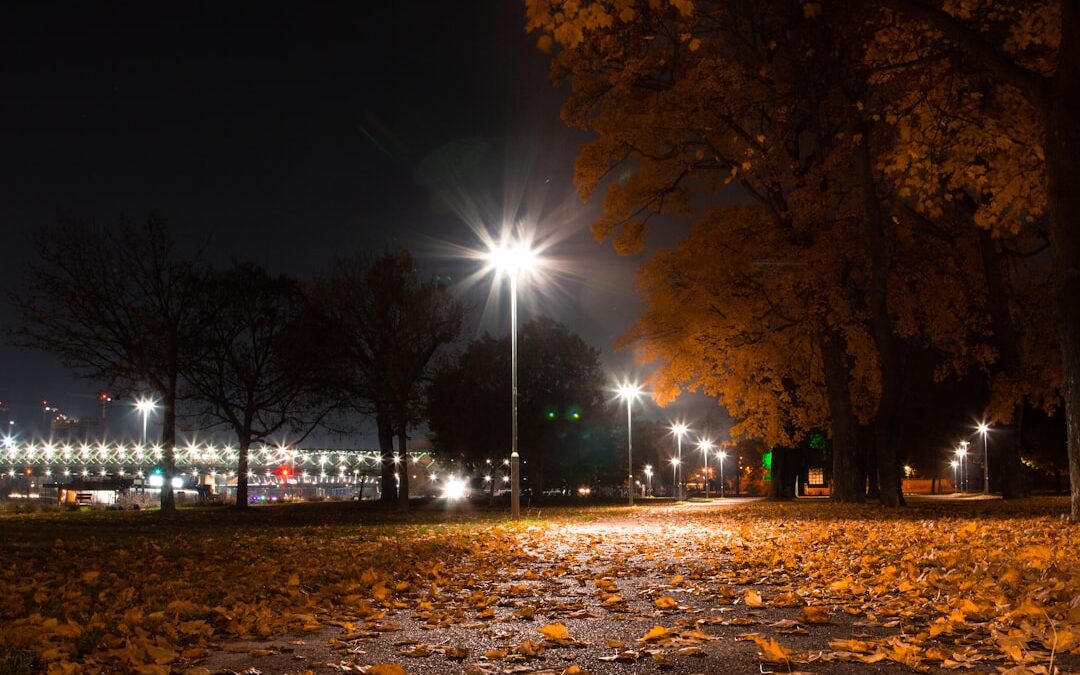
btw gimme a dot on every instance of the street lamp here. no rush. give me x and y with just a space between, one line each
954 464
984 428
721 456
512 259
629 392
145 406
961 452
648 479
705 445
679 429
675 462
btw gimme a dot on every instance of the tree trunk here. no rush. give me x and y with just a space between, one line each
168 449
403 489
845 473
389 468
783 474
887 416
1062 149
242 472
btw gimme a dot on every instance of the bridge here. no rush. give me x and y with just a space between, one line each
28 468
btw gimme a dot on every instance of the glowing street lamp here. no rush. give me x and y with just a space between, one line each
705 445
954 464
145 406
984 428
961 452
512 259
679 429
629 392
648 478
675 462
721 456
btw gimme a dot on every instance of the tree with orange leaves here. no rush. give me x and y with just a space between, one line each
689 97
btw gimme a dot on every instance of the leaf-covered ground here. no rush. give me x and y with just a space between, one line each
680 588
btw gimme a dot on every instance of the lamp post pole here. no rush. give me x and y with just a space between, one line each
983 429
705 446
515 459
720 458
629 451
675 477
679 493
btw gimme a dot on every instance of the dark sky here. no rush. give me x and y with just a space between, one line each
289 133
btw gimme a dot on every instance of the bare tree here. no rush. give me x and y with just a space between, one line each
116 305
388 324
256 374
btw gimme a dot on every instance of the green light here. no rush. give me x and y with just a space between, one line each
766 462
575 414
551 414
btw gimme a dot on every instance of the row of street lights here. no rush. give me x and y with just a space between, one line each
961 453
515 259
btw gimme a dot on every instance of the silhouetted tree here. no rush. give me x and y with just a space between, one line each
258 373
387 325
116 305
560 397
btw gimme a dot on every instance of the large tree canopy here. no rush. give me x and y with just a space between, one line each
835 124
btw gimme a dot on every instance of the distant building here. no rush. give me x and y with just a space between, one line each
83 429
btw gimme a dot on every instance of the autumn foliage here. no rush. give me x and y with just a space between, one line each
790 584
841 166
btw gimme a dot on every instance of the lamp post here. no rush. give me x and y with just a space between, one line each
721 456
675 462
629 391
984 428
954 464
145 406
648 480
961 452
679 429
513 259
705 446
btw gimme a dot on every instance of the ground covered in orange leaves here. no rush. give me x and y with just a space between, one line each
677 588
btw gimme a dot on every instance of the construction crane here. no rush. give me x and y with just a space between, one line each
103 397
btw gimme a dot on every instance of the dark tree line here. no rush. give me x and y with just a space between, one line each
260 354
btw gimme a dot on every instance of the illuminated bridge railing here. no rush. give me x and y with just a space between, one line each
51 459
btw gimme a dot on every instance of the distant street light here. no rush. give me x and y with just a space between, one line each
648 479
675 462
511 259
721 456
954 464
145 406
984 428
705 446
679 429
961 452
629 392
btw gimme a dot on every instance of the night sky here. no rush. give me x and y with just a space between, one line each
288 134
